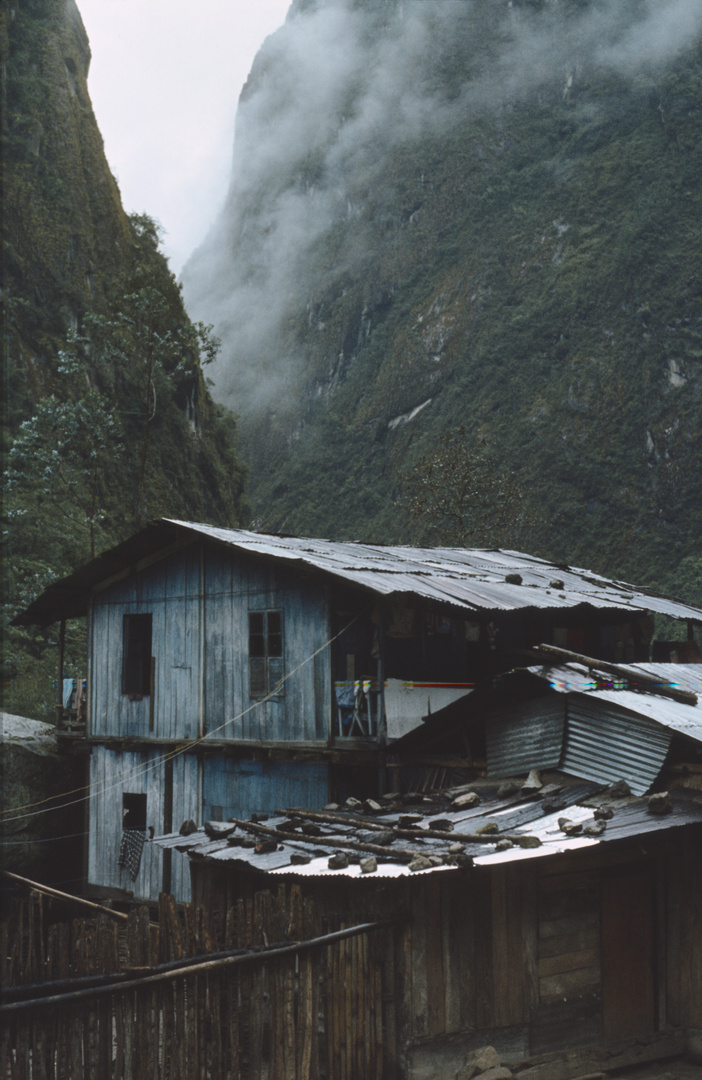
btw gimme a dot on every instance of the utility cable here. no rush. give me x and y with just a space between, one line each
101 787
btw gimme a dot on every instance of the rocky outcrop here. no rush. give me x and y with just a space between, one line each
42 813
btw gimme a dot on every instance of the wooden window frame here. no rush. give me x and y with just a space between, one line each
266 653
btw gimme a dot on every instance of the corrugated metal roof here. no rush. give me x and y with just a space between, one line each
604 744
471 579
672 715
515 815
527 736
631 818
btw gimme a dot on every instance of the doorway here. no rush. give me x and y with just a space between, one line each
628 954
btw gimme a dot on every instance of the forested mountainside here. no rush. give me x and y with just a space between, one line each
468 234
107 418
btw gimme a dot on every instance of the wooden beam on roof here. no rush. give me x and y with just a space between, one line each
648 683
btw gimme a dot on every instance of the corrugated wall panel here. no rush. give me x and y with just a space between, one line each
605 744
530 737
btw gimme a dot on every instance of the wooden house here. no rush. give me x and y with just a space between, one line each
231 672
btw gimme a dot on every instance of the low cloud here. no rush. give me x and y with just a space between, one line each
331 93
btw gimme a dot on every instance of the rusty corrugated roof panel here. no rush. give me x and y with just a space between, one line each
467 578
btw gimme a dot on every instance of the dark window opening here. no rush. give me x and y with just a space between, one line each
136 665
266 666
133 832
133 811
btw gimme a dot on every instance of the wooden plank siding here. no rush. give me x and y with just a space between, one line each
199 598
112 773
507 955
234 788
235 585
168 591
690 931
183 609
568 935
471 941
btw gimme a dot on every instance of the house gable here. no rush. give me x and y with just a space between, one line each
200 599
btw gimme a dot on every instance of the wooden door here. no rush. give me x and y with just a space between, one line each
628 979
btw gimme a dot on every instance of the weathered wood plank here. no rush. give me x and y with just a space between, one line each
500 949
570 925
691 934
582 981
530 939
483 930
435 969
556 965
420 999
450 962
462 934
515 917
565 943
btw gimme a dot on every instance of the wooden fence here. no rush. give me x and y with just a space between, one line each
98 999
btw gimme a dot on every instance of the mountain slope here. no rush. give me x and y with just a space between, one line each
470 214
107 416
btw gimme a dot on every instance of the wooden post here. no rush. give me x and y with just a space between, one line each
62 649
167 821
63 896
382 725
152 689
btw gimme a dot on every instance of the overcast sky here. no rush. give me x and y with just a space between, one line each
164 81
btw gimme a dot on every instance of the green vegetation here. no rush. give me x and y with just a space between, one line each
109 421
534 277
457 498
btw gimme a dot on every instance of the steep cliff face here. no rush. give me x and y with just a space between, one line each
67 236
108 420
470 214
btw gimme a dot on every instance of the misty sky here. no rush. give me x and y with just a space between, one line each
164 80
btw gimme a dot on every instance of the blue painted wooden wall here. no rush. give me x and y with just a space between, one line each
112 773
200 600
236 788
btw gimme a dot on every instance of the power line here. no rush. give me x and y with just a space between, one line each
101 787
41 839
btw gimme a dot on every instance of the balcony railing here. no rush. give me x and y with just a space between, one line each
71 711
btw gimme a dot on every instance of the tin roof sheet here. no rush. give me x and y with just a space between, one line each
467 578
604 743
673 715
519 814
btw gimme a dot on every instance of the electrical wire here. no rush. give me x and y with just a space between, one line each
41 840
101 787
